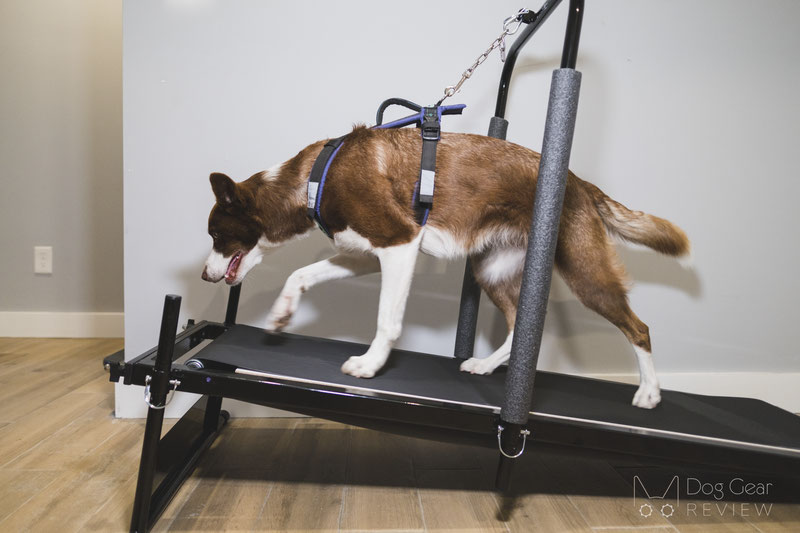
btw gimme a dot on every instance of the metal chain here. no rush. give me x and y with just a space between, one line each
510 27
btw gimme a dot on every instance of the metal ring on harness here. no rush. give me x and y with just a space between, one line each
175 384
523 432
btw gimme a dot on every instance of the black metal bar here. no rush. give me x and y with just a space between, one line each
572 38
512 445
166 339
180 450
502 479
233 304
213 410
188 339
140 520
511 57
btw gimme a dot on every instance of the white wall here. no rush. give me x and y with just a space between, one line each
691 117
61 166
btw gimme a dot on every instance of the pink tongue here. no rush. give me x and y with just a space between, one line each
233 266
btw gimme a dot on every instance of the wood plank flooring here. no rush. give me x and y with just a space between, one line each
66 464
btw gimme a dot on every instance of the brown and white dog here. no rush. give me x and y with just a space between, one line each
482 209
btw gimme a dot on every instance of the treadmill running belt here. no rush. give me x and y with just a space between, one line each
570 398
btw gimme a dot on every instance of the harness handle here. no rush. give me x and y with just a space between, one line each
395 101
418 117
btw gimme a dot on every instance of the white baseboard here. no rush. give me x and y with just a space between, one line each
61 325
777 388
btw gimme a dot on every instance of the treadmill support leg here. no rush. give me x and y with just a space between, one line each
167 462
511 439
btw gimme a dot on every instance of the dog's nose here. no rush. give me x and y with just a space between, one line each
205 274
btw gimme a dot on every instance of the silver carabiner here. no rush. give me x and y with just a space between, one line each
512 19
175 384
507 31
523 432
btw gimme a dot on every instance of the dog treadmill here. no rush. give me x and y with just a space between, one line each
426 395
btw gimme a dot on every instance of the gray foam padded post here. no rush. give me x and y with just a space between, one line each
538 269
467 314
470 290
498 128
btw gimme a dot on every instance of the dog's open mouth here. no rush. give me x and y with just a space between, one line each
233 267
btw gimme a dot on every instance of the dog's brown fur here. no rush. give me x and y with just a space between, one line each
484 196
482 185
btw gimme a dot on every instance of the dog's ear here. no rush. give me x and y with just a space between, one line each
224 189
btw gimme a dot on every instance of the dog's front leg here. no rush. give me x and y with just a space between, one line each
397 269
337 267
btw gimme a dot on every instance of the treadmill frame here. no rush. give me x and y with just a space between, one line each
166 462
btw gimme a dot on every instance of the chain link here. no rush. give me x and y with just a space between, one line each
510 27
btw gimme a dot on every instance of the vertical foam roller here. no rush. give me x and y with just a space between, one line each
538 270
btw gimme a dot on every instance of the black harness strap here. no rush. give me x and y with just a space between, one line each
431 133
316 180
428 119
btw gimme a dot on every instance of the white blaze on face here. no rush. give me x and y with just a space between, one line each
234 268
216 266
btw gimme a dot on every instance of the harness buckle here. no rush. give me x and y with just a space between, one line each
431 128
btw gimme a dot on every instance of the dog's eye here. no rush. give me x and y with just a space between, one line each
215 236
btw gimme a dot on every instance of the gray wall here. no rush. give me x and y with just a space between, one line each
693 118
61 154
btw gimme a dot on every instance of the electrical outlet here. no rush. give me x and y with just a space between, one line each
43 259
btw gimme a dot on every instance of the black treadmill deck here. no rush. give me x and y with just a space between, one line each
423 379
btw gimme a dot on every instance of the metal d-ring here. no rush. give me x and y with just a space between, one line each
174 382
523 432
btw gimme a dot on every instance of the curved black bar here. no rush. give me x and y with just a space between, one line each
395 101
572 38
511 57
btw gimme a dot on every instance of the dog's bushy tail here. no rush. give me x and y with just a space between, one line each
657 233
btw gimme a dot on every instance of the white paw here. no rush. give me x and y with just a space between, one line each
474 365
281 313
647 396
361 366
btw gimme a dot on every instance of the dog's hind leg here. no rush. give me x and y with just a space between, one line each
487 365
397 269
589 265
337 267
499 274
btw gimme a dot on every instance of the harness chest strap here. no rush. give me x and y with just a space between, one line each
316 180
319 171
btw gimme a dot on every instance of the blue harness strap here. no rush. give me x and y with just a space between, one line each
428 119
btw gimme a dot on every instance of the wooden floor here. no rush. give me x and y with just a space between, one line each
67 465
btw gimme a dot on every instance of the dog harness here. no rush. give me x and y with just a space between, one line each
428 119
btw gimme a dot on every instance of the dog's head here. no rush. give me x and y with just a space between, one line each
239 242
